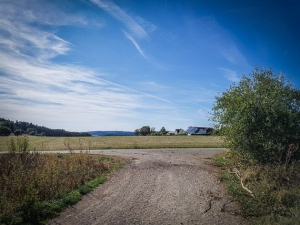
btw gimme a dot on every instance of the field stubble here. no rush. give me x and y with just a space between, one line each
117 142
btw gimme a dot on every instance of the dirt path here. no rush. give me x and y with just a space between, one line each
174 186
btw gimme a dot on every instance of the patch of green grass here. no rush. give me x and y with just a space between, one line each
224 159
234 188
89 186
225 176
275 188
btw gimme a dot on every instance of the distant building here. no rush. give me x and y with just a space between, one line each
198 130
179 131
170 133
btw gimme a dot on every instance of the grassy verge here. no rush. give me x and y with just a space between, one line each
268 194
128 142
36 187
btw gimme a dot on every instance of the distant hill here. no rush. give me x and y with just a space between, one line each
20 127
111 133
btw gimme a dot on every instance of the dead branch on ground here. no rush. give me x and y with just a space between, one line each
237 173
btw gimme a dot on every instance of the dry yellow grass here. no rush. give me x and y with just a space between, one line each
117 142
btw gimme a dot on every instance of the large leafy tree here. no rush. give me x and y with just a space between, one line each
4 131
145 130
163 131
260 116
137 132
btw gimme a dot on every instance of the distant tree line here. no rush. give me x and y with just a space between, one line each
18 128
146 130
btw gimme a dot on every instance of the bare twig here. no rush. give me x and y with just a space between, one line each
209 206
225 203
236 172
209 203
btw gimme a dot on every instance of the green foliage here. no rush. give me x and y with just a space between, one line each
73 197
145 130
7 123
224 159
22 144
31 131
260 117
162 131
18 132
88 187
4 131
19 127
153 132
19 144
137 132
12 145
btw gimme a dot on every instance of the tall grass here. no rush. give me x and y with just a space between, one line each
127 142
275 197
35 187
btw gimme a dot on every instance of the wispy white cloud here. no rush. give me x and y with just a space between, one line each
145 94
147 25
135 44
34 86
43 12
137 27
232 54
119 14
24 40
201 106
44 88
152 85
230 74
217 39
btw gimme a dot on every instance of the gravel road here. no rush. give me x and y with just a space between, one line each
167 186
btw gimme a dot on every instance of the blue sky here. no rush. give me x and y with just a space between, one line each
87 65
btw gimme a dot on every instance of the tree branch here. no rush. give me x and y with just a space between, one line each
236 172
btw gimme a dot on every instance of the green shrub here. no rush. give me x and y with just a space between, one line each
260 117
19 144
4 131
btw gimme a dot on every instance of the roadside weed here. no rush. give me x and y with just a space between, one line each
35 187
275 189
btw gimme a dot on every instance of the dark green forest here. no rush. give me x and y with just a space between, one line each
8 127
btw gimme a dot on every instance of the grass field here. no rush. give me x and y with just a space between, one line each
117 142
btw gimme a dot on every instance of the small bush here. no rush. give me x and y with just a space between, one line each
19 144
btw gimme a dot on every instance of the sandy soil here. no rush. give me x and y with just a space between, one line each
168 186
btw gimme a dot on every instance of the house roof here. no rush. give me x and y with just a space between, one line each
198 130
